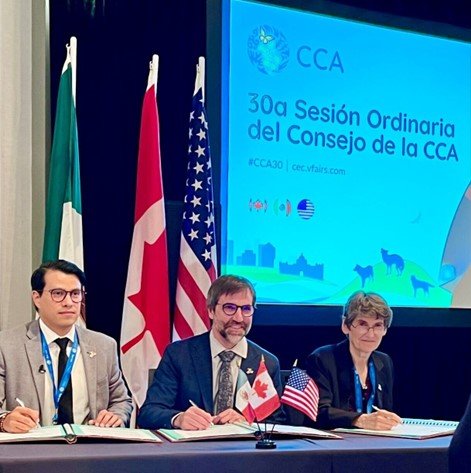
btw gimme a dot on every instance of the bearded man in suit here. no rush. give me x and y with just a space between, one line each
55 372
187 391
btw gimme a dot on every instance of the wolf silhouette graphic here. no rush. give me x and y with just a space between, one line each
365 273
419 284
392 260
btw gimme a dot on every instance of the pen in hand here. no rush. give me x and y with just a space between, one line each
377 409
22 404
194 405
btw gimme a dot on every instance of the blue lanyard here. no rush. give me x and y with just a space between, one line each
358 391
64 381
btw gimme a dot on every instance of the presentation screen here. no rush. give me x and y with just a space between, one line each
345 159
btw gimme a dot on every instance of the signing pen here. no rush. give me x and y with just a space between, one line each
377 409
194 405
22 404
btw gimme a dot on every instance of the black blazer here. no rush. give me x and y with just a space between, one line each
460 447
331 367
185 372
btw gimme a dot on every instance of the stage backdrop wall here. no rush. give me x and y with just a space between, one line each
115 43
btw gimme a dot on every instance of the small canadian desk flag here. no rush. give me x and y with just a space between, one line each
263 398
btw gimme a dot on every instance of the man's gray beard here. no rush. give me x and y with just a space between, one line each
235 339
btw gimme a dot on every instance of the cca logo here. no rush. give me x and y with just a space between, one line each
268 49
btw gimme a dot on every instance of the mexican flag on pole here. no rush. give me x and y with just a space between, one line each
63 232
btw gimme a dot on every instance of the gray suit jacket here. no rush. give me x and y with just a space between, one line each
23 373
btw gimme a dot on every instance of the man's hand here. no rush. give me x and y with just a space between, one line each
380 420
193 418
21 420
229 416
106 419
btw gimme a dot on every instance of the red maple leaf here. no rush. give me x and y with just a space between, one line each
260 388
149 301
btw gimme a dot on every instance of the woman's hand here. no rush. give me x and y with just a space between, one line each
379 420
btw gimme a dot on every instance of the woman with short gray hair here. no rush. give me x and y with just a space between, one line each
355 380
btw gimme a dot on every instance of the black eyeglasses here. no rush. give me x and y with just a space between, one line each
58 295
231 309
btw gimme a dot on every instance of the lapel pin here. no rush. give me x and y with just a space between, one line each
379 387
91 354
249 371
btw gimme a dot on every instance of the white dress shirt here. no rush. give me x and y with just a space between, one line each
80 400
241 354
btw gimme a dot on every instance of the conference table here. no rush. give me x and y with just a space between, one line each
353 454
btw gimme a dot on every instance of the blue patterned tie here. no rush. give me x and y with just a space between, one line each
224 397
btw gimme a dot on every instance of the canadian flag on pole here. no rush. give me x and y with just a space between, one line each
264 399
145 329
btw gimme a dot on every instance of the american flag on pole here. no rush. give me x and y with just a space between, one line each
302 393
145 329
197 267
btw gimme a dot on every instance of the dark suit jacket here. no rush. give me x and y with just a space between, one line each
460 447
331 367
185 372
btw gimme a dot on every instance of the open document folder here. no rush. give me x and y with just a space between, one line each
242 430
71 432
411 429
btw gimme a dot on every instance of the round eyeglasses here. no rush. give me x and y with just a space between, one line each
363 328
230 309
58 295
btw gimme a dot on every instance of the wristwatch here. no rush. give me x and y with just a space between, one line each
2 420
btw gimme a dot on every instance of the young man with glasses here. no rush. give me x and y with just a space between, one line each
355 381
54 372
196 380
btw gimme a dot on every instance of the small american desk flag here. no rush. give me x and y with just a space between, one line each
302 393
197 265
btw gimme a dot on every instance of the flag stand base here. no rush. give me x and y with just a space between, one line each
265 444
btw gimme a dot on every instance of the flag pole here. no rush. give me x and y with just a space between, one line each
153 72
200 75
265 443
72 54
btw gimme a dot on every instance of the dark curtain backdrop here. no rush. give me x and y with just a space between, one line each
116 39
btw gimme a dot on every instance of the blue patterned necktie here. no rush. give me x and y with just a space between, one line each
225 395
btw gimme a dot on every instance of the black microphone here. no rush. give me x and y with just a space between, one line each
41 369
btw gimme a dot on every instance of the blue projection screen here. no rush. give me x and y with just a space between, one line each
346 159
